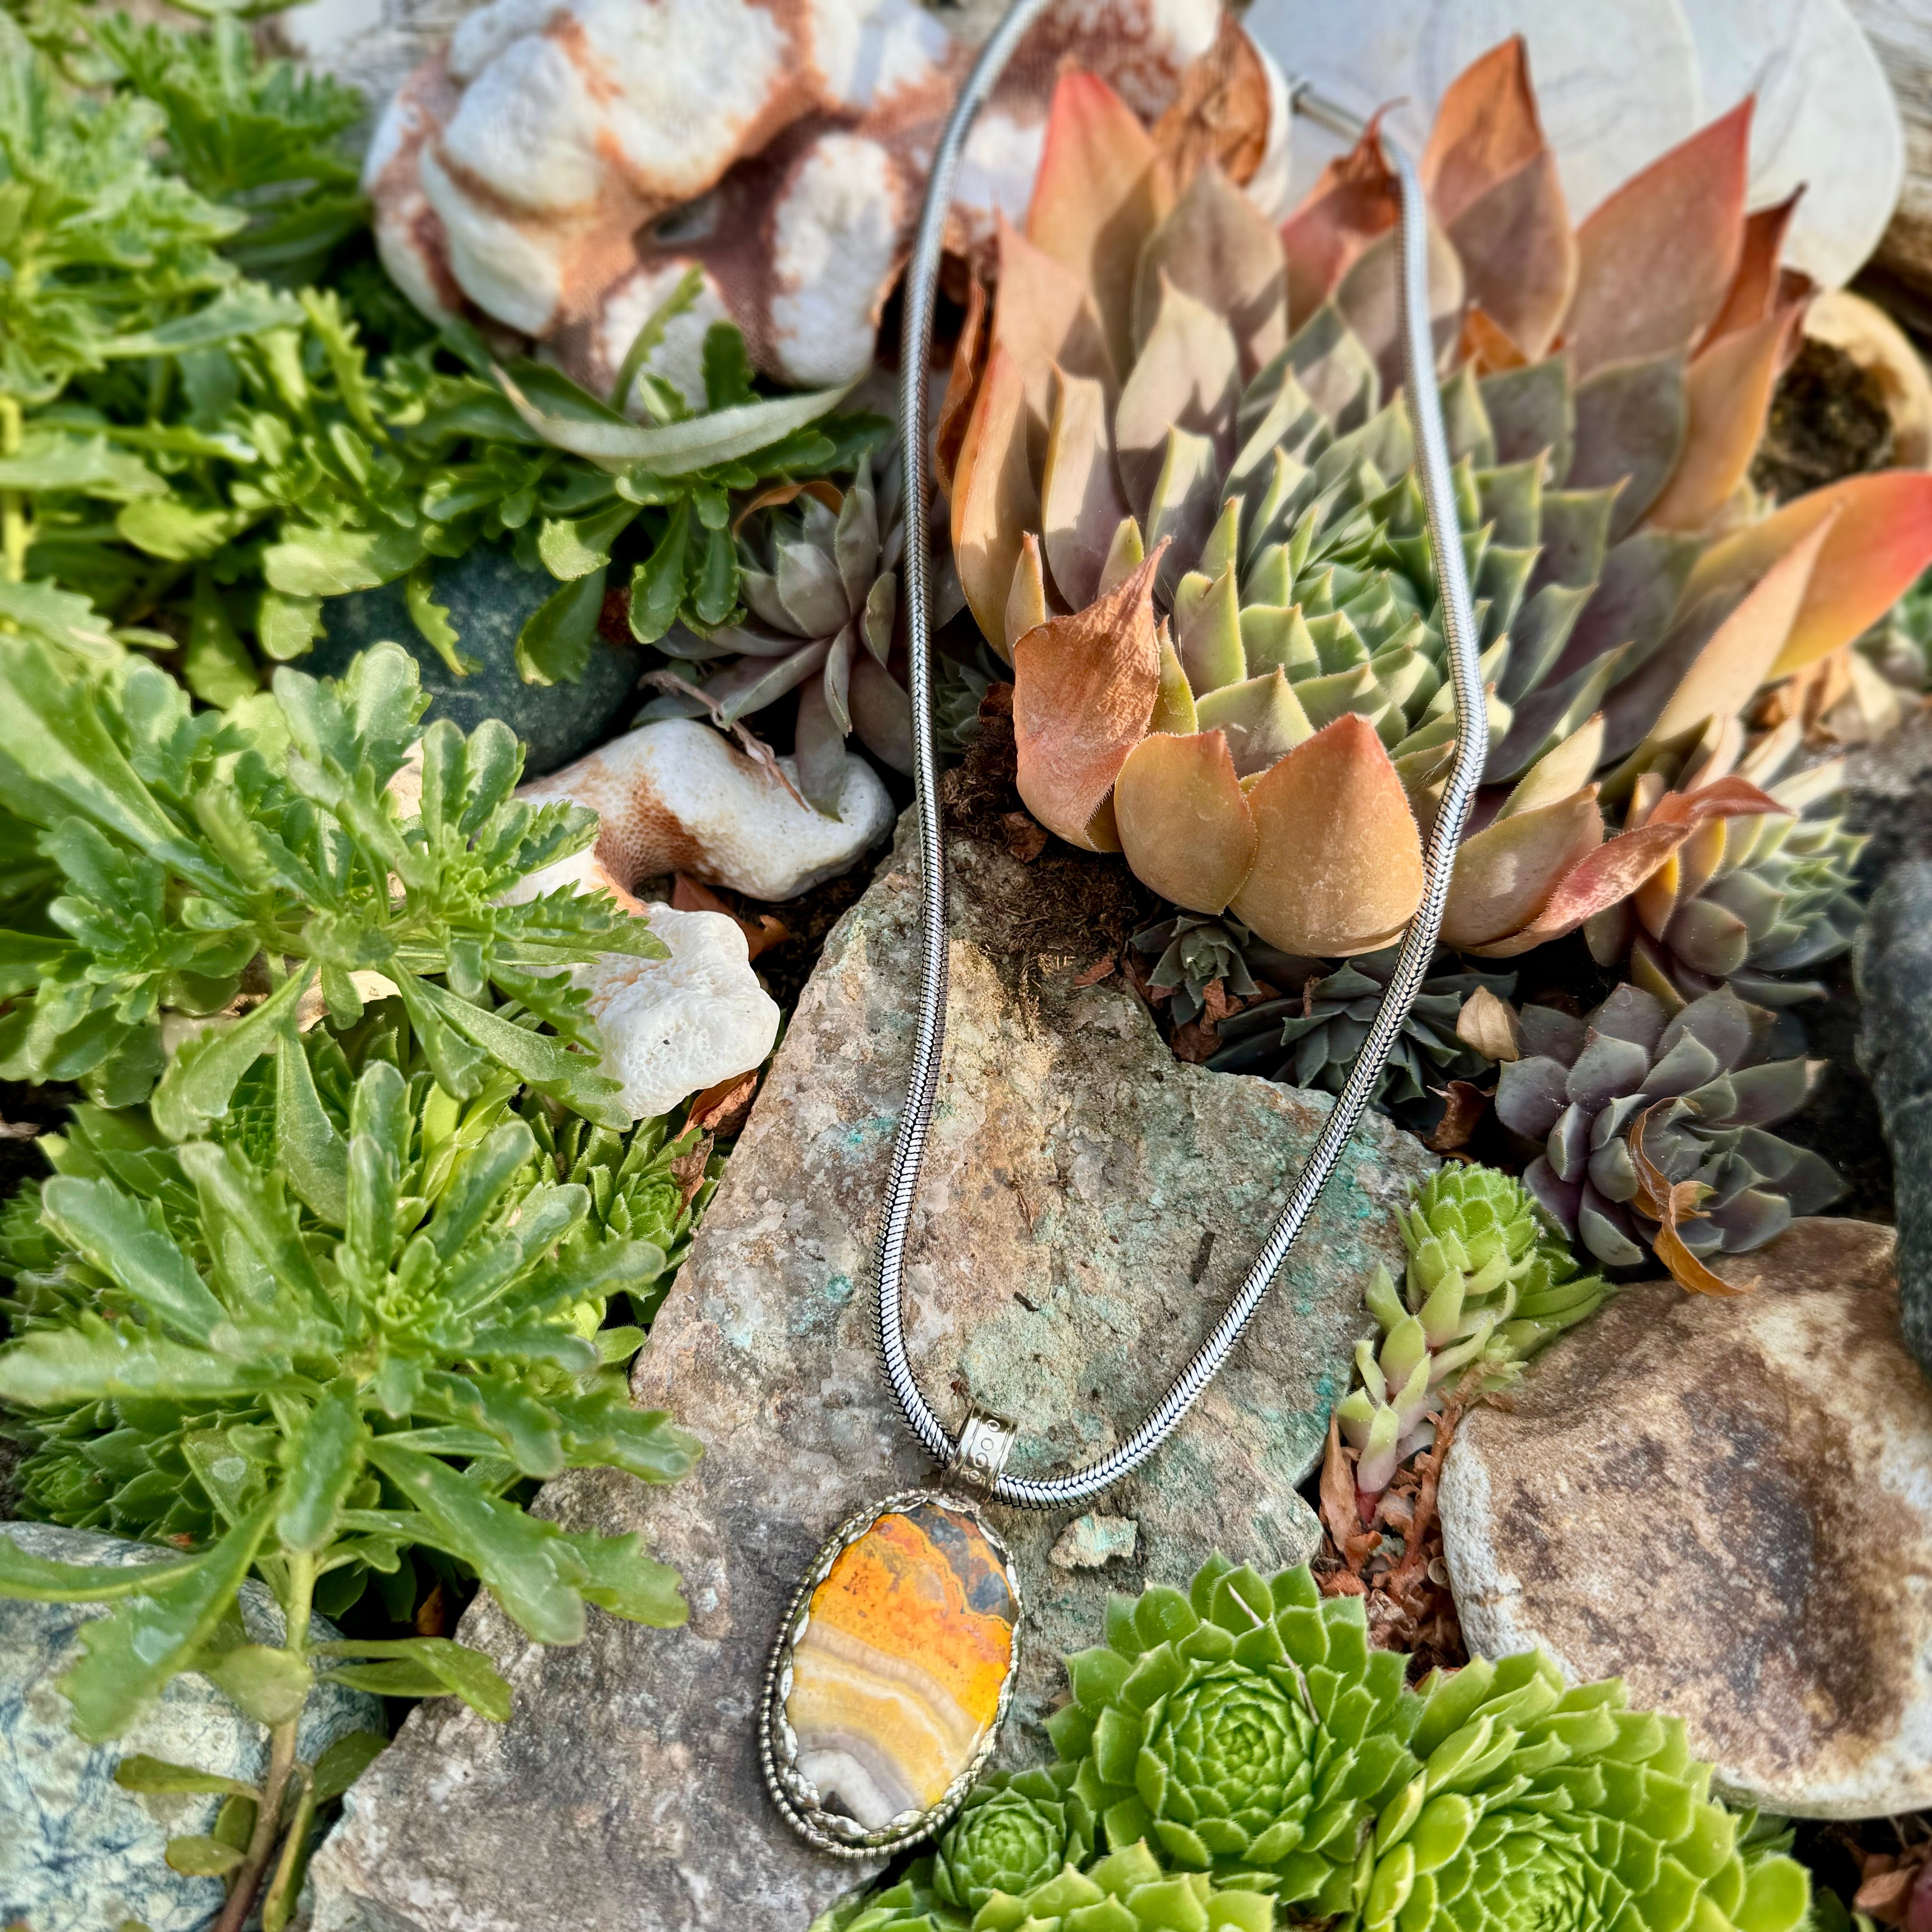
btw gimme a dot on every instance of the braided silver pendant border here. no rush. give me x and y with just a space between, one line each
798 1798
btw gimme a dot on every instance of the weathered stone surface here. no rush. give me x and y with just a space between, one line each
1728 1502
1893 963
1888 795
77 1853
1901 33
1087 1203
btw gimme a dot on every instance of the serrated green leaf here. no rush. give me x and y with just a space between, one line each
553 646
321 1465
247 310
38 1579
545 1063
330 563
516 1555
130 1653
657 584
131 1246
431 620
91 1362
201 1080
309 1148
451 1667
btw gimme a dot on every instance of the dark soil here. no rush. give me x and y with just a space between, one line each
1083 907
1828 420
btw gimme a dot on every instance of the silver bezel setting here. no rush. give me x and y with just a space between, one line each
798 1798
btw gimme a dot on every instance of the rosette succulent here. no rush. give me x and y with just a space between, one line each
1311 1038
1632 1104
1543 1806
1486 1286
1750 897
1128 1890
819 572
1245 1729
1185 508
1013 1834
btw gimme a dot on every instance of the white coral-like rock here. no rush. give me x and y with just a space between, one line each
673 1027
675 797
564 162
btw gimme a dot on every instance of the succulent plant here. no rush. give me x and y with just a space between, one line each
1127 1891
1749 897
1632 1103
1203 1725
1184 512
1013 1834
819 572
1191 951
1486 1286
1311 1038
1540 1805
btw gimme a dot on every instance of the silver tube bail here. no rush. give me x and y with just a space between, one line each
985 1441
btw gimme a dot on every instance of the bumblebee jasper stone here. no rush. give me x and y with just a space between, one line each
897 1678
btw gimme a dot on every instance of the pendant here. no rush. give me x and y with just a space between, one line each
895 1664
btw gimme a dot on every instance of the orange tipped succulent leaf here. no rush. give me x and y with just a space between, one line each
1757 287
1657 259
1096 198
1492 183
1879 541
1338 867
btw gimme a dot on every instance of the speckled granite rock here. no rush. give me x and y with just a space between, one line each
77 1853
1894 962
1087 1203
1728 1503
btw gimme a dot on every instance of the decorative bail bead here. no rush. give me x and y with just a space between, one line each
986 1441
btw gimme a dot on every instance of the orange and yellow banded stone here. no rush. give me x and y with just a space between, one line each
897 1676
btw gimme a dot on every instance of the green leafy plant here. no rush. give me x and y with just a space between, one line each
368 1379
1246 1752
203 860
136 1466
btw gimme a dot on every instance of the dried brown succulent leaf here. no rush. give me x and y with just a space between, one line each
1667 1204
1080 500
1219 249
1489 1023
1083 690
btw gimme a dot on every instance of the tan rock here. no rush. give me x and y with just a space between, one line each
1727 1502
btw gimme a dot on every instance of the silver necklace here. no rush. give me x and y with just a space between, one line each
895 1666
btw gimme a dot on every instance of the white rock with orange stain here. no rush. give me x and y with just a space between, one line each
674 796
561 165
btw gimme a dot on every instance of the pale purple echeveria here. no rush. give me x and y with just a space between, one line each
1708 1094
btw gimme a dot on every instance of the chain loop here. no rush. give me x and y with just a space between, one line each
1472 748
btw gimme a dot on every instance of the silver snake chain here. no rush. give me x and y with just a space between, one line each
1472 744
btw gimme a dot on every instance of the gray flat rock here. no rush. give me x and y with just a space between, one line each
1728 1503
1894 971
77 1852
1089 1203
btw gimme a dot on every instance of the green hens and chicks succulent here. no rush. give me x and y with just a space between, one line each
1241 1758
